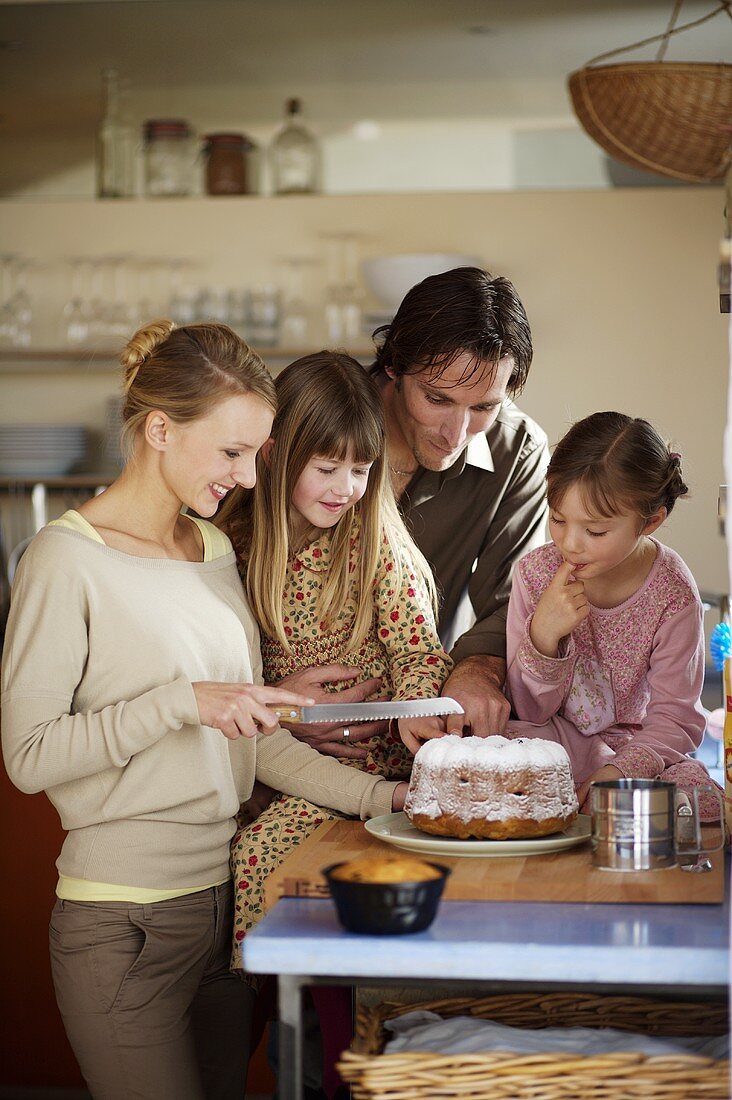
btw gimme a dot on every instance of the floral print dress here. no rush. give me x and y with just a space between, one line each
402 648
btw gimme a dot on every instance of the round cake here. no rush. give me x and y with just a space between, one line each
494 788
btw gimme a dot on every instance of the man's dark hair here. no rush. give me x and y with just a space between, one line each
461 311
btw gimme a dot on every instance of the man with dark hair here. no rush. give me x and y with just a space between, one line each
468 467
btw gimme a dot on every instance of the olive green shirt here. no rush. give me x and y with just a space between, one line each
474 521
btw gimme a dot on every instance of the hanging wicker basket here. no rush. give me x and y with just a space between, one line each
674 118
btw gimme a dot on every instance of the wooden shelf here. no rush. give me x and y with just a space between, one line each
103 360
58 481
49 361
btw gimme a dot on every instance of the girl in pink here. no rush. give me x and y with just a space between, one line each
605 640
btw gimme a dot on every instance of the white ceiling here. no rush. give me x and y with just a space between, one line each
407 58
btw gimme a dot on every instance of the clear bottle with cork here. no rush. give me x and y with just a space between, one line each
295 155
115 144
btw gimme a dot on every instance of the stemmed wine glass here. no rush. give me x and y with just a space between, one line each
296 321
75 324
7 292
16 305
119 318
343 293
22 304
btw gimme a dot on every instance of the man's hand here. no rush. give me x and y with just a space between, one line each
606 772
329 739
415 731
561 608
476 684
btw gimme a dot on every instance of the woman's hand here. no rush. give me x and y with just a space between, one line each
325 738
606 772
415 731
240 710
561 608
397 799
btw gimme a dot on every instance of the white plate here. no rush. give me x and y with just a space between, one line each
397 829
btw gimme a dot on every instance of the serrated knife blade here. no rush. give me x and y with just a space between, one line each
333 713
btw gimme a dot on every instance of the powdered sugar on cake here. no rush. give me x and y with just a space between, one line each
491 779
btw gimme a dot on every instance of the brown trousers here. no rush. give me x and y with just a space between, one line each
149 1004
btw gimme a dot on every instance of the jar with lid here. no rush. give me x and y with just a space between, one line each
167 157
229 164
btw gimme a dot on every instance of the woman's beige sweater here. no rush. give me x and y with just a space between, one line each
98 710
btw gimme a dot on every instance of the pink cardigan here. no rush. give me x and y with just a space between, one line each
632 673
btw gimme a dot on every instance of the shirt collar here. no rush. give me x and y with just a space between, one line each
478 453
428 483
315 557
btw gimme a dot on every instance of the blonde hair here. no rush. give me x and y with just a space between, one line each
327 405
184 372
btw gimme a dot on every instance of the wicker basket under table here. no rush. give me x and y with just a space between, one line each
546 1076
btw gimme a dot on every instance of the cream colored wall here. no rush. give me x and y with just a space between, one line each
620 288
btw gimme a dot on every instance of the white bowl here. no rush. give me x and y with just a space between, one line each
390 277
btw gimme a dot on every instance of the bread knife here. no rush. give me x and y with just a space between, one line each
333 713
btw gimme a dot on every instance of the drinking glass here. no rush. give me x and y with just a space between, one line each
343 292
7 293
22 304
296 324
75 316
119 316
184 297
264 316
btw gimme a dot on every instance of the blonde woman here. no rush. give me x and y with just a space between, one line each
132 694
333 578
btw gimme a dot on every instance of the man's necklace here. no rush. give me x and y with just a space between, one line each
403 473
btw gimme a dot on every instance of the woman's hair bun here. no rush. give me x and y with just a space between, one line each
142 344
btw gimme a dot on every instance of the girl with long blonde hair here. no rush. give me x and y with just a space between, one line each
332 576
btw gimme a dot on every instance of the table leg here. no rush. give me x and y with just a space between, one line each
290 1083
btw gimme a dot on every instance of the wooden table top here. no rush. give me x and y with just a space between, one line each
564 876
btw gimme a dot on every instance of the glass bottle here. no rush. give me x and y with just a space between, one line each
295 155
114 144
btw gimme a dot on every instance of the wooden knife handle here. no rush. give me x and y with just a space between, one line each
288 714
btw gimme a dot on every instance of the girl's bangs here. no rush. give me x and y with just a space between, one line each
597 498
363 438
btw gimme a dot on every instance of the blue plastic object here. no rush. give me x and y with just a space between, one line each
720 645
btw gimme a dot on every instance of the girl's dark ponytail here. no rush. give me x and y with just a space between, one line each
675 486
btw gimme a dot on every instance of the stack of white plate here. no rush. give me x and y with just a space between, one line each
41 450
